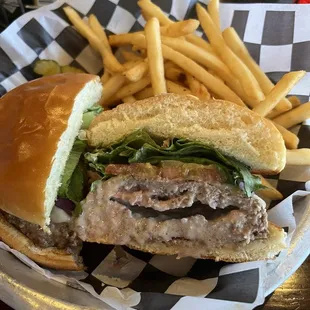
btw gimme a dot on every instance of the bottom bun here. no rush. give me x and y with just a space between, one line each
49 257
260 249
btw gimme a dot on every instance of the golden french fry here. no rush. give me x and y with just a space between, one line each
294 117
174 74
99 31
201 74
109 59
153 10
290 139
135 73
200 42
199 55
213 9
130 64
197 71
279 91
197 89
123 38
169 64
145 15
105 77
294 101
269 192
145 93
129 99
128 56
274 113
155 57
300 157
177 89
233 40
208 60
132 88
179 29
237 67
112 86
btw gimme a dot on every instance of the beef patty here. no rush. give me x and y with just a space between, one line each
62 236
144 203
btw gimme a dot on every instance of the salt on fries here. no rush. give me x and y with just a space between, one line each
168 56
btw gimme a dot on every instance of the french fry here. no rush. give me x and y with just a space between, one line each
290 139
145 93
132 88
105 77
112 86
153 10
237 67
269 192
300 157
99 31
201 74
280 90
177 89
237 46
294 101
123 38
274 113
199 55
213 9
130 64
128 56
208 60
155 57
109 59
135 73
179 29
169 64
145 15
191 67
197 89
200 42
129 99
294 117
174 74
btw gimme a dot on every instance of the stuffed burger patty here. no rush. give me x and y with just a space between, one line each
168 175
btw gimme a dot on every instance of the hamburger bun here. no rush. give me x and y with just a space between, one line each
39 123
233 130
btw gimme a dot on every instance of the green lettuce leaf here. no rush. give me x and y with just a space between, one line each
72 183
89 115
139 147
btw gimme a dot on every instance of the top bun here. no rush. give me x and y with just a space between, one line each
233 130
39 122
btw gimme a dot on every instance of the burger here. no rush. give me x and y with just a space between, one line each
168 175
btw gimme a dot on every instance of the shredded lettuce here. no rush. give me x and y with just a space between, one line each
139 147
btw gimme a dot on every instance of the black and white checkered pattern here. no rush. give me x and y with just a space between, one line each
278 40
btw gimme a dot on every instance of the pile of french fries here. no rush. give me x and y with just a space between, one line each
169 57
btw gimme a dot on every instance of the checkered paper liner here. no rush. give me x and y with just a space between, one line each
278 37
